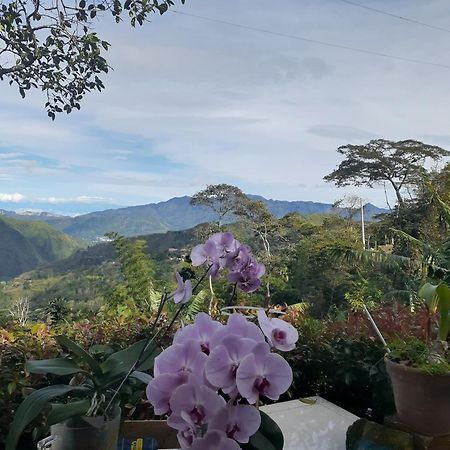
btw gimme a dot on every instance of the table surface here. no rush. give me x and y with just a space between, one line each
313 424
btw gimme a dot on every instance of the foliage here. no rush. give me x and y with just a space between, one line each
25 245
345 368
138 273
223 199
92 387
52 46
417 353
398 163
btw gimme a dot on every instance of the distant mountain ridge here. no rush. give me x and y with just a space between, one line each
25 245
172 215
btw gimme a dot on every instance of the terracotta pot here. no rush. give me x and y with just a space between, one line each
87 433
422 400
157 429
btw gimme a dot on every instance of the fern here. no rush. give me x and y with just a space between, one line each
198 304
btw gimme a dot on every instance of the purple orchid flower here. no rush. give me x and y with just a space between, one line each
239 326
239 422
161 388
262 373
184 290
248 277
193 405
184 357
201 331
238 259
205 253
224 360
279 334
215 440
224 242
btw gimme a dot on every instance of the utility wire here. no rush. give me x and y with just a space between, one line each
386 13
313 41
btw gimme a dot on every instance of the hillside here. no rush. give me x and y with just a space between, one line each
25 245
172 215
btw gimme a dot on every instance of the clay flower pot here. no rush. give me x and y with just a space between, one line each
422 400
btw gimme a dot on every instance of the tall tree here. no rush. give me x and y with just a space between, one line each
400 164
223 199
51 45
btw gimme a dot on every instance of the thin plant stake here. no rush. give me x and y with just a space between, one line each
376 329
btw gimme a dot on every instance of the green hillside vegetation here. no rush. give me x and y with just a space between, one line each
87 277
25 245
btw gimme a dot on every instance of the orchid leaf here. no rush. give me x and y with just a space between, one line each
63 411
268 437
123 360
65 342
33 405
56 366
141 376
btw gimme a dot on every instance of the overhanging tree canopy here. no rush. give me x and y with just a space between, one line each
51 45
399 163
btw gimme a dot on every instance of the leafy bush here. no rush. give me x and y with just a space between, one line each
342 361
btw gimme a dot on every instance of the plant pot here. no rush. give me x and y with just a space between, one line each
87 433
157 429
422 400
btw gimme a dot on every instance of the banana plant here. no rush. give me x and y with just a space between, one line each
94 385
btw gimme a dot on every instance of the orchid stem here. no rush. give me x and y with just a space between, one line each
152 337
233 294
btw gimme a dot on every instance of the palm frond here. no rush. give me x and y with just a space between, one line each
370 257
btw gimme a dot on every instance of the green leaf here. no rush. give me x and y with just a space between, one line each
65 342
56 366
32 406
64 411
123 360
141 376
428 293
437 297
443 292
268 437
100 349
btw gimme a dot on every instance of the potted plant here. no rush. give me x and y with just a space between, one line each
85 412
91 399
420 370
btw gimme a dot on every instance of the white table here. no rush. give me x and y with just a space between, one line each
313 425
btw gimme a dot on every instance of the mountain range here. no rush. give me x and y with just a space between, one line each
171 215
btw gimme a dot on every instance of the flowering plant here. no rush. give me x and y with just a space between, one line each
211 379
207 382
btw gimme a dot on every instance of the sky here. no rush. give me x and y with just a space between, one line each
192 102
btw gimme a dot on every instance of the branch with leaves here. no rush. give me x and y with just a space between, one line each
51 45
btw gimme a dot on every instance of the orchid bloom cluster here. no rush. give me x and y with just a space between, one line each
210 378
222 251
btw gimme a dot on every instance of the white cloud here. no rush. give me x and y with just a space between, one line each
80 199
10 155
16 197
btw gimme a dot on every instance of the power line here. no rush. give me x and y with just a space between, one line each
313 41
405 19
